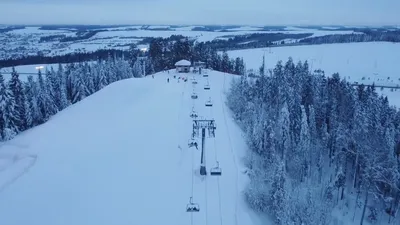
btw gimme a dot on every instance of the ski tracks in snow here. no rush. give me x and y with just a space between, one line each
19 167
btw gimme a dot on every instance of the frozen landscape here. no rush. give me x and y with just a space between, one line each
129 159
96 142
365 63
27 41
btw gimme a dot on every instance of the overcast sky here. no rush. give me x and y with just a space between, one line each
251 12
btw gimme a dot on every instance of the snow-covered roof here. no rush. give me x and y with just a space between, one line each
183 63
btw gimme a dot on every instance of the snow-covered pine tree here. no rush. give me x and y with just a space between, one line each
102 75
11 114
278 202
42 98
15 86
62 77
3 102
33 114
51 93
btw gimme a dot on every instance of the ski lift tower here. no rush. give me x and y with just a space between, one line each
203 125
143 59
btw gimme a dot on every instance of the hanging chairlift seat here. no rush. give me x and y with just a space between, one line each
193 115
192 142
205 75
209 103
192 207
194 96
194 82
216 171
207 87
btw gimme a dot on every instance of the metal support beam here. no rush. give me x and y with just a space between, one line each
203 125
203 170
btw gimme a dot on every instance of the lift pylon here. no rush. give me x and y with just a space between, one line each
203 125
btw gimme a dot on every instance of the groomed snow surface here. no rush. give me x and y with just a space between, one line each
121 157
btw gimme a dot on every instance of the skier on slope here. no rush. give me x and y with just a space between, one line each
168 80
195 145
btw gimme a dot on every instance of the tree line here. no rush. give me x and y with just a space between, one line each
68 58
367 36
164 53
315 144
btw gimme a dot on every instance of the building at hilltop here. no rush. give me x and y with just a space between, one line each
183 66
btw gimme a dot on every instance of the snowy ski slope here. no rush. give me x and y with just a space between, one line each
121 157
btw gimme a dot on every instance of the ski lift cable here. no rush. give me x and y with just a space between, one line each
219 201
218 186
206 200
233 156
192 152
179 114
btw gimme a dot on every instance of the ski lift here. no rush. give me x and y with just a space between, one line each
194 81
207 87
216 171
205 75
193 114
192 143
209 103
194 96
192 207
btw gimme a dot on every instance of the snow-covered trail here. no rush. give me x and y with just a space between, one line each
121 157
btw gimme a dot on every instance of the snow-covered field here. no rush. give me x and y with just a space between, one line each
121 157
26 41
357 62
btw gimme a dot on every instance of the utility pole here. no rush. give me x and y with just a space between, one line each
203 125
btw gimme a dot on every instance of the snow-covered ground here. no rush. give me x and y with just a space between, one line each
366 63
27 41
121 157
199 35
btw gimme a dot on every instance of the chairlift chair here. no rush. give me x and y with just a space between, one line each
192 207
216 171
194 96
193 114
194 82
209 103
205 75
192 142
207 87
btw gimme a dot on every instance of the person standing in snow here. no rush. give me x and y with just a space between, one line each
167 80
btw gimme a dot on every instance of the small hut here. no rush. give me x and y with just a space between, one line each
183 66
